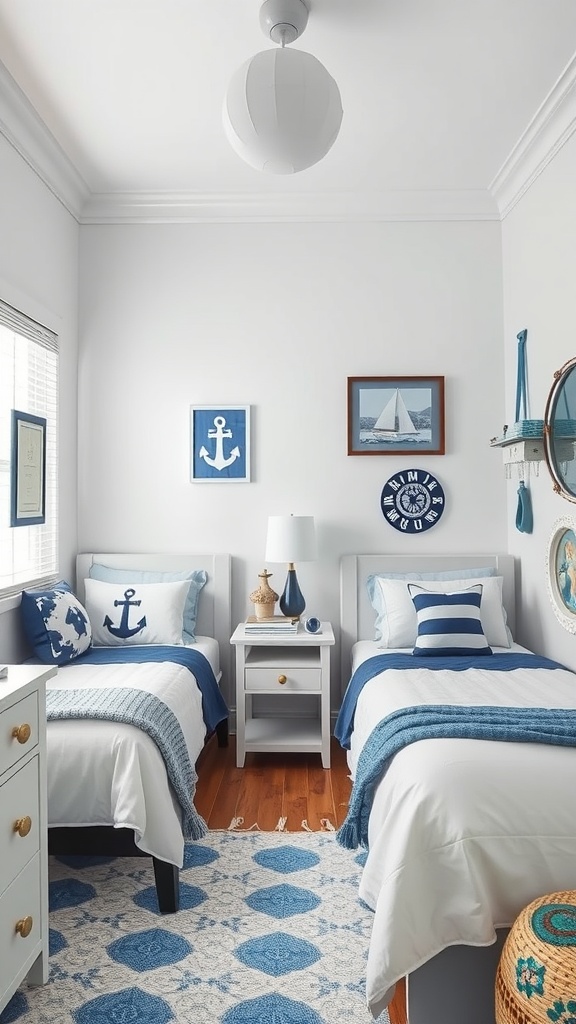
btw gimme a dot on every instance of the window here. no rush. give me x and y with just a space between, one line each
28 383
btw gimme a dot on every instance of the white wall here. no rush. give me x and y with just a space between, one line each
539 289
39 275
277 316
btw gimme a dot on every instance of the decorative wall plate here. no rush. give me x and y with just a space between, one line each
561 571
412 501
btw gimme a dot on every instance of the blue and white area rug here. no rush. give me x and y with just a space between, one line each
270 931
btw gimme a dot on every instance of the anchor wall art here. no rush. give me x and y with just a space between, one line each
220 443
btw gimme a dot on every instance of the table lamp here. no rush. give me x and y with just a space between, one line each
291 539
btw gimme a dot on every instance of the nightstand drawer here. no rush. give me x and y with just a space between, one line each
288 679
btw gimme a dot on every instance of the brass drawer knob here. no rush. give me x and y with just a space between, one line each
282 680
24 926
23 825
22 732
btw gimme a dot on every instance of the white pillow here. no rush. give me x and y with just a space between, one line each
135 613
449 624
398 622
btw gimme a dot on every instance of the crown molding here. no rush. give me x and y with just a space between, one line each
22 127
172 208
552 125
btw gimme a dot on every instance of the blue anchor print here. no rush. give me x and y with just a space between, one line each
122 631
219 461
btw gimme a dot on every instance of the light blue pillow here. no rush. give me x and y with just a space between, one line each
56 624
449 625
378 601
197 577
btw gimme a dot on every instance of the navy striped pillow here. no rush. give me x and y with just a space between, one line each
449 624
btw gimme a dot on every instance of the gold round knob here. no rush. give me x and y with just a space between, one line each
22 732
282 680
23 825
24 926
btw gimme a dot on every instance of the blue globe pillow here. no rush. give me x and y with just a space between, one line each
56 624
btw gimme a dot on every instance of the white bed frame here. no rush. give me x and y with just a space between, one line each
214 618
214 605
458 983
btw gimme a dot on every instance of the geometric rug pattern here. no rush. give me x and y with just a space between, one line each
270 931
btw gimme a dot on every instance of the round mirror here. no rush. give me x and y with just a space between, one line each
560 431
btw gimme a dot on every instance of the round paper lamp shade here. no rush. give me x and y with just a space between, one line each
282 111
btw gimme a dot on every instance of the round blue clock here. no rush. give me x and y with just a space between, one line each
412 501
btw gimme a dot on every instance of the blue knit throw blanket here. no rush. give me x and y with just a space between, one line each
515 725
147 712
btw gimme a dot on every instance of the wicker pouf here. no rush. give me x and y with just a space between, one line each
536 976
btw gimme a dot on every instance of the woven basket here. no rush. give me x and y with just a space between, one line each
536 975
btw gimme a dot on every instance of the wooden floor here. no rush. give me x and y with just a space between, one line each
271 787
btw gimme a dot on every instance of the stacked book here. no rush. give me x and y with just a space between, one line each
274 625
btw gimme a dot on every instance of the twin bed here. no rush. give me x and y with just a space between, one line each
110 788
461 832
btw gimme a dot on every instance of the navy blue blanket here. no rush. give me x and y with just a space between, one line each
515 725
381 662
214 708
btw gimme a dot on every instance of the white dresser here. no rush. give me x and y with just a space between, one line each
23 829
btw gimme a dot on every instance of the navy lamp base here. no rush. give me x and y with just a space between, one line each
292 601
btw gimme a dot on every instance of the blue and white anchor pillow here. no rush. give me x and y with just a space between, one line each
135 613
56 624
449 624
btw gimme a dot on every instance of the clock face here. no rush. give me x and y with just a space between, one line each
412 501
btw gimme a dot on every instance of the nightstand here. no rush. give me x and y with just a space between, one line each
287 666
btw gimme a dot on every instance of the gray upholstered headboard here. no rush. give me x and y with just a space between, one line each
357 616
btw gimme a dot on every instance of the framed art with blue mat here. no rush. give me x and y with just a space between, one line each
220 443
28 470
395 415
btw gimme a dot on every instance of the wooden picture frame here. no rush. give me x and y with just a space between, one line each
220 443
28 470
396 416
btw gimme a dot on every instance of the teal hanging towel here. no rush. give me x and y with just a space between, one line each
524 517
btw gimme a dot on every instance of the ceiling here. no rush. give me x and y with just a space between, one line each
436 93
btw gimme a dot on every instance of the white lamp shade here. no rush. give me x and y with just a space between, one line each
290 539
282 111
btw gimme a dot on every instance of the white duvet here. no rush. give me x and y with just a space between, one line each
463 833
107 773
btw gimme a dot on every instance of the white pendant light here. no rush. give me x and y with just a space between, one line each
282 111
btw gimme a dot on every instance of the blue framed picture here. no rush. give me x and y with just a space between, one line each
28 470
220 443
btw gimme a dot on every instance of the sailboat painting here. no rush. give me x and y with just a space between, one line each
395 421
395 416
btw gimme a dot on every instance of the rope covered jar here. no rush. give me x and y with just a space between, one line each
536 975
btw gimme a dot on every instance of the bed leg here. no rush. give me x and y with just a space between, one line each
222 733
167 877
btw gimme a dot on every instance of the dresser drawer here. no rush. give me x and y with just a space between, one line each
289 679
20 901
19 806
18 730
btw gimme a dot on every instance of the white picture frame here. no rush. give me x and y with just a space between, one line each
220 443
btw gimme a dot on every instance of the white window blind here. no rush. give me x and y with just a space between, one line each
29 383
